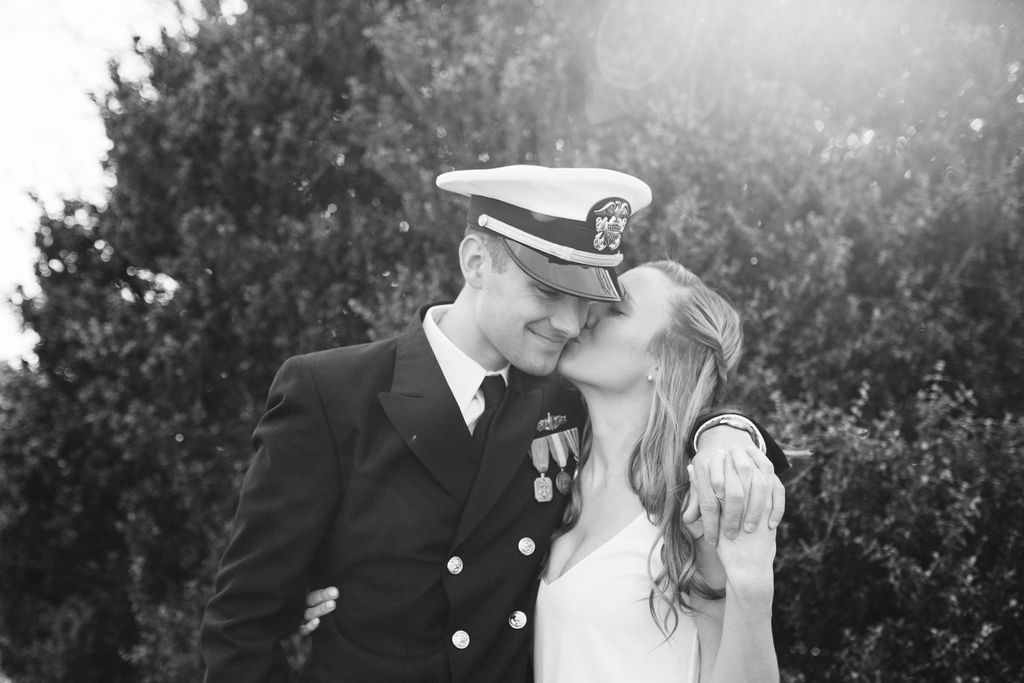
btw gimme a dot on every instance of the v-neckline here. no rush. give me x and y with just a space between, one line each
568 568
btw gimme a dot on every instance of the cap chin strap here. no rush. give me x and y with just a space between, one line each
560 251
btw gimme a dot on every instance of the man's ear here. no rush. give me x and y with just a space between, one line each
473 259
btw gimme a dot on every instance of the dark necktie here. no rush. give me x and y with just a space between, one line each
493 387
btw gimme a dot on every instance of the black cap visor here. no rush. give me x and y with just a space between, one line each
586 282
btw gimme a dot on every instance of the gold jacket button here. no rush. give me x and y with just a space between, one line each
527 546
460 639
517 620
455 565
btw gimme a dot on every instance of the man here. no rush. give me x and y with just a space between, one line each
406 474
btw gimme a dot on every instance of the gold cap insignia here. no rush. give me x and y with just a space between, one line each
610 222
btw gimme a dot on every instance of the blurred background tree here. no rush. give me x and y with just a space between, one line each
849 173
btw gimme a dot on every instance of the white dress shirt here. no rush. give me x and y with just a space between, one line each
463 374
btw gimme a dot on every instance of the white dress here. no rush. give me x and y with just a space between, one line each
593 623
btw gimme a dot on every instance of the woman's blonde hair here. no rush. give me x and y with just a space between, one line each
695 355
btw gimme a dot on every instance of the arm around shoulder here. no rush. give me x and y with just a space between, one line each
288 498
730 427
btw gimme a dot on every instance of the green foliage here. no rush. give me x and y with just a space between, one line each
849 173
899 560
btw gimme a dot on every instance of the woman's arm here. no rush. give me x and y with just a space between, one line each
735 633
709 615
746 651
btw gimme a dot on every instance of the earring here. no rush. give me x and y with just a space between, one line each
650 377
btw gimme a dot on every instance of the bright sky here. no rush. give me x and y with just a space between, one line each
53 53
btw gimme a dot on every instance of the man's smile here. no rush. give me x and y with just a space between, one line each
557 340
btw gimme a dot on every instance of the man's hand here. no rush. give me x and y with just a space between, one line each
725 492
320 602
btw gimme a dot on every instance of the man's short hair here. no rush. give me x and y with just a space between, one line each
499 255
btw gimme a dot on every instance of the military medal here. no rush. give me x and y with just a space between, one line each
542 487
542 490
558 445
562 444
563 481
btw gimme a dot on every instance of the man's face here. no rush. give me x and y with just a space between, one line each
525 322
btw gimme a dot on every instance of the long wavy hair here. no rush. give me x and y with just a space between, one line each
695 355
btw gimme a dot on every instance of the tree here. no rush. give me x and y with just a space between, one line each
243 228
848 173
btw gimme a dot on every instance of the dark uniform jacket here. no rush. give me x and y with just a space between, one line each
365 478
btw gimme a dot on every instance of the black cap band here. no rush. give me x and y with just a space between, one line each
577 235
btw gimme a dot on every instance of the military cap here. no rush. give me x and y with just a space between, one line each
564 227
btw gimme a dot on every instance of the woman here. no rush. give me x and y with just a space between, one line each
628 592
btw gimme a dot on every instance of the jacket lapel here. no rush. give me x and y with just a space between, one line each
507 448
423 411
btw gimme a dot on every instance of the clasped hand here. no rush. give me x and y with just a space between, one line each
731 488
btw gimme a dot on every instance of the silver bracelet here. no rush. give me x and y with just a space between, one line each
736 422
